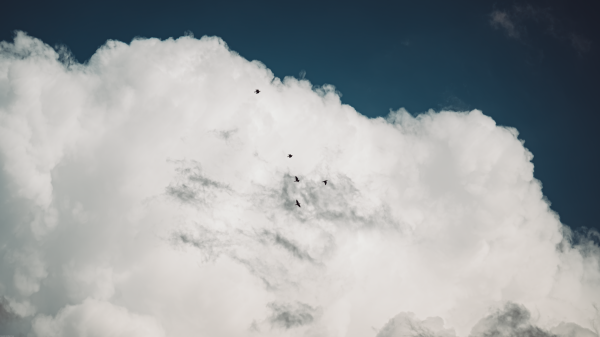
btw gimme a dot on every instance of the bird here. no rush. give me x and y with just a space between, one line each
298 204
256 91
325 181
296 179
289 156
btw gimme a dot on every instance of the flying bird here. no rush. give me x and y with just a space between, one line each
256 91
289 156
298 204
325 181
296 179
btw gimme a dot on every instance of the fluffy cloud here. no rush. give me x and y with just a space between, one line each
96 318
148 192
405 324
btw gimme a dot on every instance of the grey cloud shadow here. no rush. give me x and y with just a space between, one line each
512 320
191 186
291 315
226 135
11 324
285 243
210 243
272 276
339 201
6 314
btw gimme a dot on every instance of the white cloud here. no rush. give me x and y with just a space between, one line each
150 187
405 324
94 318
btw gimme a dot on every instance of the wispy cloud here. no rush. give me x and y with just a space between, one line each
580 43
515 20
502 20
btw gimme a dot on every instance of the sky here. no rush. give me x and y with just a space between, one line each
146 189
387 55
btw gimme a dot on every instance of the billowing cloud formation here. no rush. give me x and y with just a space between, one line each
148 193
513 320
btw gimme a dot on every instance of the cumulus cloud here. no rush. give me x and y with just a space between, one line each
405 324
148 192
96 318
6 313
573 330
512 320
515 320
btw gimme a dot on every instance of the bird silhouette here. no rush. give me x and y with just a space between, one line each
298 204
256 91
296 179
289 156
325 181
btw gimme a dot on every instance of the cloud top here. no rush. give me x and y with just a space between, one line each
151 187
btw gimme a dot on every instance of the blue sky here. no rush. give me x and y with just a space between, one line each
387 55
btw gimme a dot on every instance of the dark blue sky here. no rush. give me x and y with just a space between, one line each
540 75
